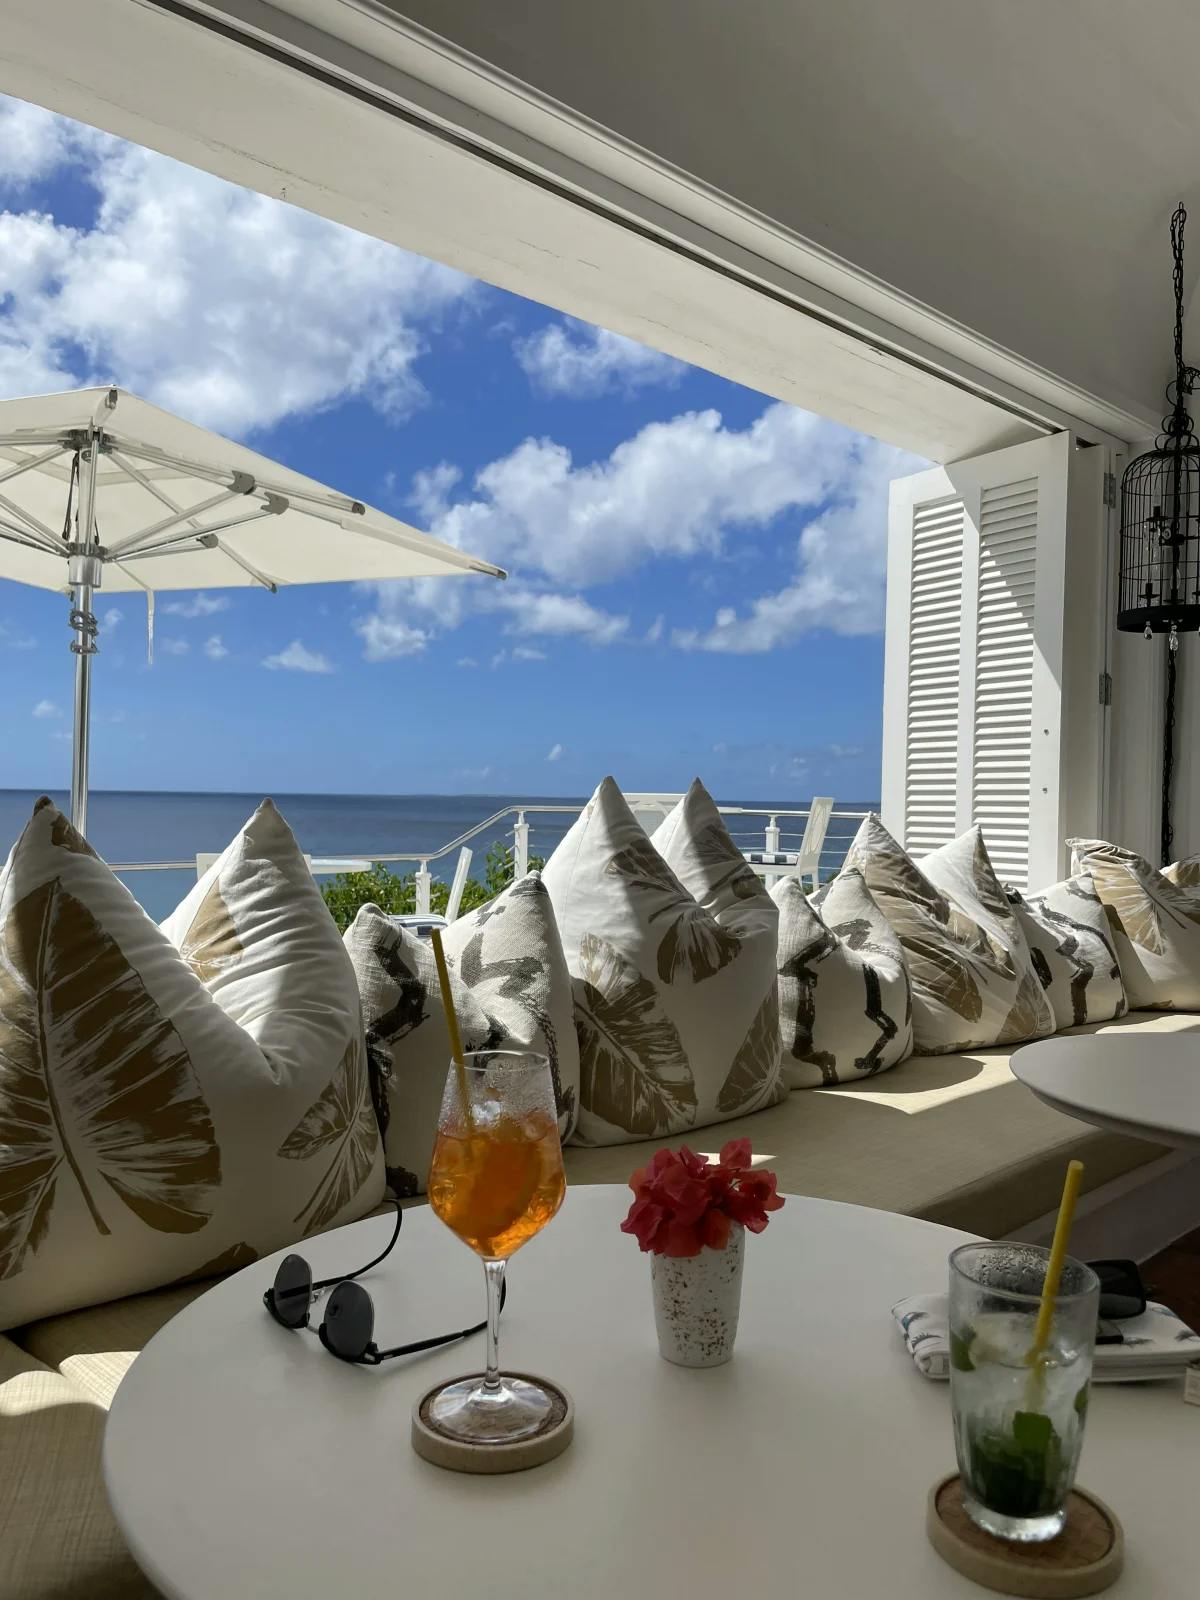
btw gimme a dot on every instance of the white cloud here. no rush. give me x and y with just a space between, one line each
387 637
527 652
839 569
200 605
571 358
215 648
554 753
174 647
655 631
46 708
32 142
558 616
232 308
466 661
678 490
113 618
296 657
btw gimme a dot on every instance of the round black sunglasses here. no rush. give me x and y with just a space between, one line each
348 1326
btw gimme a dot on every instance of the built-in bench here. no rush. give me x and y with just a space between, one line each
953 1139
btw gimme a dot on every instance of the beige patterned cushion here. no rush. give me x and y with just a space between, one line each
150 1130
58 1535
1072 946
845 1003
973 979
675 996
1155 920
511 991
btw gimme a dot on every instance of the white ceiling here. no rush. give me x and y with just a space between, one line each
1013 163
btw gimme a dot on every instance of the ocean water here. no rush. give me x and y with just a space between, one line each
126 826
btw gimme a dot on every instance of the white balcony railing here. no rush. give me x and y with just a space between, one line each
781 831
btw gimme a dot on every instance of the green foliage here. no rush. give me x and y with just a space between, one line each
397 895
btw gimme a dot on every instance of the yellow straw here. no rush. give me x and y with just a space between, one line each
1054 1267
456 1049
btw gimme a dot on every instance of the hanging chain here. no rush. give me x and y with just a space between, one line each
1177 426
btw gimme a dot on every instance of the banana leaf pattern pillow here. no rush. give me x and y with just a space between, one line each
1073 952
511 989
845 1003
672 961
1155 922
146 1136
973 978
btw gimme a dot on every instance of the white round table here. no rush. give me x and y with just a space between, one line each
1148 1086
242 1460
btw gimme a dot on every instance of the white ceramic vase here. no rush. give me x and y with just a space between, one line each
696 1303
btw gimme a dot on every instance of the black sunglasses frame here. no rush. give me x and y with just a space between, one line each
349 1297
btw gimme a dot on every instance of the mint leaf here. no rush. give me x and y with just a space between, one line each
960 1351
1032 1432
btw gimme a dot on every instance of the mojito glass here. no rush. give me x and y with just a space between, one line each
1018 1423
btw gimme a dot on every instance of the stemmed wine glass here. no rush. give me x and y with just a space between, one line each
496 1179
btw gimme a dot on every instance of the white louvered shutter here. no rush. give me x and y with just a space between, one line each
978 557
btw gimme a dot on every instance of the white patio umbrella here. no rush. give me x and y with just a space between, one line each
101 489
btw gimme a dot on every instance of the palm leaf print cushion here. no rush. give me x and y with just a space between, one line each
1155 921
845 1003
141 1123
973 979
670 944
1073 951
511 989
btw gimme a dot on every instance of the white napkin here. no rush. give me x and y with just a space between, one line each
1156 1344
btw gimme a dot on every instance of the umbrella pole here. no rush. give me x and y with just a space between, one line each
85 571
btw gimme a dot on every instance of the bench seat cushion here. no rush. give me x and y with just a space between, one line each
59 1535
954 1139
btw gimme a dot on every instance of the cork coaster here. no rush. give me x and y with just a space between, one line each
1085 1558
458 1455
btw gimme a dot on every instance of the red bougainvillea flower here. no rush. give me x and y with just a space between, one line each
683 1203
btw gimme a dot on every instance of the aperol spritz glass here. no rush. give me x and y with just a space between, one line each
496 1179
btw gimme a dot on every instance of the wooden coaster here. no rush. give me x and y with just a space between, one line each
1085 1558
459 1456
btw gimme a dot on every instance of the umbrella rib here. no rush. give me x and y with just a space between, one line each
259 577
134 476
141 540
319 497
22 536
205 536
26 463
28 518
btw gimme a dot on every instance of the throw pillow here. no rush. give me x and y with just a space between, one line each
845 1003
511 991
1073 953
147 1136
1155 921
972 973
676 1003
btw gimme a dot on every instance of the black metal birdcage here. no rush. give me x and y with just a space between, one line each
1160 539
1159 583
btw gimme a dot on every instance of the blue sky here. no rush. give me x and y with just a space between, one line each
696 572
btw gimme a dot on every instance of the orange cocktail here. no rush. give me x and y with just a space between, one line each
495 1180
498 1185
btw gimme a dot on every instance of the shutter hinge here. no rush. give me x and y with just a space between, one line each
1106 688
1110 490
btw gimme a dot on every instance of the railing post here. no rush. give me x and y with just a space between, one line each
520 846
423 884
771 846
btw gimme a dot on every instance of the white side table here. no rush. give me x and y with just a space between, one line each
243 1461
1145 1086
